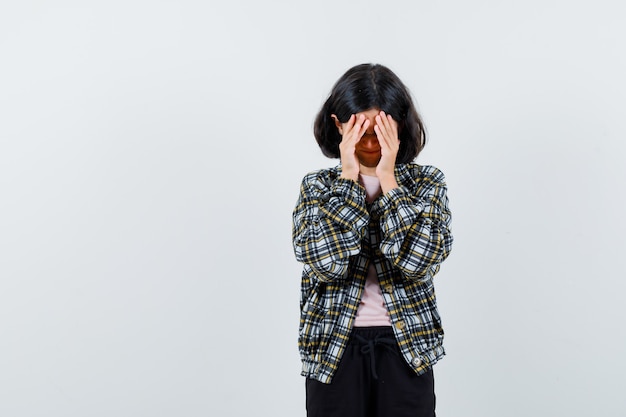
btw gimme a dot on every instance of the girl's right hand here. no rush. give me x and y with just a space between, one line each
351 133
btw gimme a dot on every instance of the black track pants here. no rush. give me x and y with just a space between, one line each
373 380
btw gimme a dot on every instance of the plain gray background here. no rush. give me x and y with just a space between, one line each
151 154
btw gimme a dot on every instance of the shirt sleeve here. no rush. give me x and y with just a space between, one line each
328 224
415 227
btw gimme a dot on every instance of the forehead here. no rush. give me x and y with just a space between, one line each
370 113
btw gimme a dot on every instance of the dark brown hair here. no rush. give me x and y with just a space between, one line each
364 87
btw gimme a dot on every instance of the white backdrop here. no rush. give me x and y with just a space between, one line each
151 154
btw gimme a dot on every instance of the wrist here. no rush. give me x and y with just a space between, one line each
388 183
349 172
349 176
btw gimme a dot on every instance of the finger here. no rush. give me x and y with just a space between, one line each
382 123
363 128
346 128
382 137
388 127
393 125
358 122
360 126
388 120
350 123
382 128
387 139
385 121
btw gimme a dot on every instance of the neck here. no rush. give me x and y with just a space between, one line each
371 171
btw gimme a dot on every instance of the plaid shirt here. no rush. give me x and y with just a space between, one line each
336 234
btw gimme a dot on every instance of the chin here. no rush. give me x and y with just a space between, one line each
371 163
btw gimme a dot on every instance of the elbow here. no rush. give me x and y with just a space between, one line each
419 275
332 273
326 269
421 266
335 273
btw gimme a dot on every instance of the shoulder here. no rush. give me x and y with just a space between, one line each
422 173
321 178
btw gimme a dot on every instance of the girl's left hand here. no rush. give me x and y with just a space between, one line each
387 133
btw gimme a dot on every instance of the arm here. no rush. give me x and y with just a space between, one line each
415 226
328 221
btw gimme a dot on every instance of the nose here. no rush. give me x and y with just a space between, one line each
369 140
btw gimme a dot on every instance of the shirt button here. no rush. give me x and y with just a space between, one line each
416 361
400 325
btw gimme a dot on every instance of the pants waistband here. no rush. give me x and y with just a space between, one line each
370 333
369 340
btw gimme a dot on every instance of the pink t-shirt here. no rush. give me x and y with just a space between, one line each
372 310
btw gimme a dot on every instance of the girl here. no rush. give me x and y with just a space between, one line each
371 233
